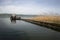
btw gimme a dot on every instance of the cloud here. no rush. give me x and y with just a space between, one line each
23 9
28 7
18 9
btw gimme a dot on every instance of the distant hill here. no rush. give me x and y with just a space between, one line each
8 15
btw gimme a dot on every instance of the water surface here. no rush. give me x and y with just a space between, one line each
22 30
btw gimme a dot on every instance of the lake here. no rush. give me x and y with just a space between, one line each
22 30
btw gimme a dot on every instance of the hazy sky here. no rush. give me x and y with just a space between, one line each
40 7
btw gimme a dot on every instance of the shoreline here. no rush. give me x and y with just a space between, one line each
52 26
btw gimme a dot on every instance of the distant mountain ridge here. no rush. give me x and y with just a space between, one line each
8 15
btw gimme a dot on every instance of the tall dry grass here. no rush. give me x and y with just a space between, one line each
51 19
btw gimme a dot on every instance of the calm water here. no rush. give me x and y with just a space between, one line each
22 30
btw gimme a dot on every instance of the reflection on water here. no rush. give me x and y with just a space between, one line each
25 31
9 33
13 21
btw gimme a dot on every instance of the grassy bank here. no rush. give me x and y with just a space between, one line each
49 19
53 26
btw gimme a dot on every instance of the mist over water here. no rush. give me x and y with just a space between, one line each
22 30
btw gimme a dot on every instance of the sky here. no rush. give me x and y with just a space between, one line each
30 7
